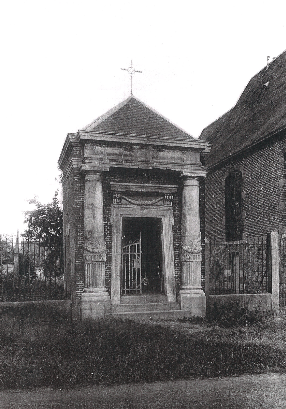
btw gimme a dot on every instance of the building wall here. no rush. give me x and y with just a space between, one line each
73 228
263 192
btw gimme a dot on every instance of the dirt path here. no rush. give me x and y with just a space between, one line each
247 391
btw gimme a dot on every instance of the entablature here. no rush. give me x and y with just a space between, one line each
104 156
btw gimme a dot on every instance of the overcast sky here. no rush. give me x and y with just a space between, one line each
61 68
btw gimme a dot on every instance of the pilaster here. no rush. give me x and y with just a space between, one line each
95 292
191 296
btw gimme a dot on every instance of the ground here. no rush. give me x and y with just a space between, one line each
126 364
247 391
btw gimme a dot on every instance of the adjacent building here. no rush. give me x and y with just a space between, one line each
245 188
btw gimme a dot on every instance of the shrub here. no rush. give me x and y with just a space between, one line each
233 314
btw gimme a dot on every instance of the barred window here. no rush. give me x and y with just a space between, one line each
233 206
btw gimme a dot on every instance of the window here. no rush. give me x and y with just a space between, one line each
233 206
284 170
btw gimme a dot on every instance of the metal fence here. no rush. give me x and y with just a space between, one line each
25 274
282 272
242 267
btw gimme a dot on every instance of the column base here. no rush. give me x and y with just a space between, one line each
95 304
193 301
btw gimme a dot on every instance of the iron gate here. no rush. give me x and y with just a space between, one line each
131 268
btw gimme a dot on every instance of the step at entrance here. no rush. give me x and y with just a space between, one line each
149 315
144 299
147 304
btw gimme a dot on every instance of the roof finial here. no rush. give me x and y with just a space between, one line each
131 71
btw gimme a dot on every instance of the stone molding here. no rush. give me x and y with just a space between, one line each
95 257
142 187
188 256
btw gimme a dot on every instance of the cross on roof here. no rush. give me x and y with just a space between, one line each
131 71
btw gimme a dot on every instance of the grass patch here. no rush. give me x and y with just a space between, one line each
62 354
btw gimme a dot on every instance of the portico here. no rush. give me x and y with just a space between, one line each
131 183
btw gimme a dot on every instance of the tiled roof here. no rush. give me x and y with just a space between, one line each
132 118
259 113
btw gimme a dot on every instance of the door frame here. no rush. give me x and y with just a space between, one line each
118 212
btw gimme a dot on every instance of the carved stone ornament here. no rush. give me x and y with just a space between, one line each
168 199
117 198
94 246
193 251
142 202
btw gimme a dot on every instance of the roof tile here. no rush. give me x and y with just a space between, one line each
132 117
259 112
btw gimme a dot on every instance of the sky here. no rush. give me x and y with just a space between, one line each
61 68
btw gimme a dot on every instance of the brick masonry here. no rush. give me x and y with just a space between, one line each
263 192
263 196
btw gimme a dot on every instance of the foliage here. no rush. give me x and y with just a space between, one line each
26 266
6 249
233 314
45 225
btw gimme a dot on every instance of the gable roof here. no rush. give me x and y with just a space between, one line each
132 118
259 113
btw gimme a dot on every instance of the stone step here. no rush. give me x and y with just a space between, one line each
144 298
125 308
149 315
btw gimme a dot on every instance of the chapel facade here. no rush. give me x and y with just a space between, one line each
132 230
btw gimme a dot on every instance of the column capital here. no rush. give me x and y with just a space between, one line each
93 175
93 168
190 180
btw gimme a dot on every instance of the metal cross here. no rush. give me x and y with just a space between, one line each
131 71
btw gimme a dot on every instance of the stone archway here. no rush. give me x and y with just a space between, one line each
165 214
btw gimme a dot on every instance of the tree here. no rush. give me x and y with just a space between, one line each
45 225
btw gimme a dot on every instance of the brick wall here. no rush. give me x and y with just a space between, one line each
73 207
263 192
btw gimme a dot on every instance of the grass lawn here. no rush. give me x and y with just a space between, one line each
61 354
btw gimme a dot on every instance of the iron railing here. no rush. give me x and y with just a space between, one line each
242 267
26 271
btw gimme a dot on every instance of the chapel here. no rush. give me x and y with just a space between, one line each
131 207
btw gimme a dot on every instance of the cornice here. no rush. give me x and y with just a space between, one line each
144 140
70 141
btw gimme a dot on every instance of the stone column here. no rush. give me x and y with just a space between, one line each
192 297
95 294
